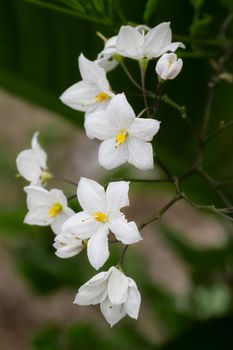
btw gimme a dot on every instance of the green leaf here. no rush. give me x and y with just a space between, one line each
149 9
200 26
99 5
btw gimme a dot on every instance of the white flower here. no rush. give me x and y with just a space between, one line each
168 66
105 58
139 43
93 92
116 293
101 213
46 208
67 245
32 163
125 137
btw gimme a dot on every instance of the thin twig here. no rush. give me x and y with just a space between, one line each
222 126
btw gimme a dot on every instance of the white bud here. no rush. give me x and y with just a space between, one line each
168 66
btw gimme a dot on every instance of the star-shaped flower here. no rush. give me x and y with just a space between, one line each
125 138
92 92
141 42
46 208
101 214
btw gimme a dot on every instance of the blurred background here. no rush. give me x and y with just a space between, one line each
183 267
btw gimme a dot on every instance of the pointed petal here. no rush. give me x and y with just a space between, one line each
157 39
144 129
82 225
97 248
174 46
130 42
112 313
117 287
38 196
140 154
81 96
126 232
40 154
119 112
59 220
92 291
133 302
91 196
28 166
38 216
117 196
90 71
98 125
110 156
59 197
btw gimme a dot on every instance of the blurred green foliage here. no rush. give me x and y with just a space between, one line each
40 43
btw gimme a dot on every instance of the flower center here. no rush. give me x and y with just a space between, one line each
121 137
101 97
55 209
100 216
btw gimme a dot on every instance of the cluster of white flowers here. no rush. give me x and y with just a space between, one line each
124 137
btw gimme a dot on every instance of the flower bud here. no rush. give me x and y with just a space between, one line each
168 66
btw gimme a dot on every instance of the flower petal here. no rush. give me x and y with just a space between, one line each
98 125
126 232
28 165
38 196
174 46
117 287
144 129
91 293
91 196
130 42
119 112
38 216
97 247
111 156
90 71
112 313
140 154
59 220
81 96
133 302
67 246
157 39
117 196
82 225
40 154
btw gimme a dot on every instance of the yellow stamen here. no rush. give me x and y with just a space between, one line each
121 137
100 216
101 97
45 176
55 210
170 64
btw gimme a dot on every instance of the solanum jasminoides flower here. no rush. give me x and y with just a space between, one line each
67 245
32 163
105 58
125 138
46 208
168 66
101 214
139 42
93 92
116 293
